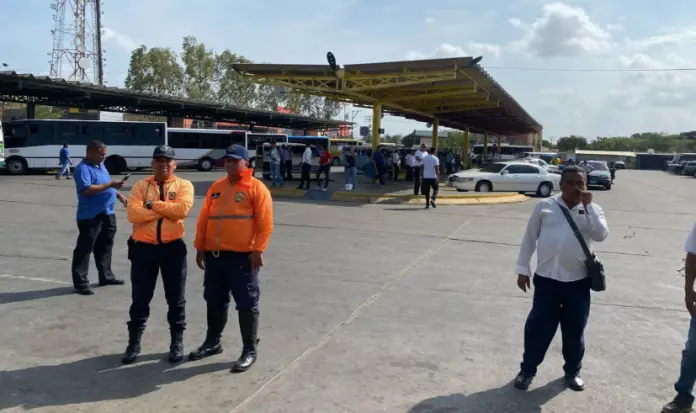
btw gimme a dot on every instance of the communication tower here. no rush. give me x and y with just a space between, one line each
77 41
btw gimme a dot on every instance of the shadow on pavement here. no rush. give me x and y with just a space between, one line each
20 296
503 399
92 380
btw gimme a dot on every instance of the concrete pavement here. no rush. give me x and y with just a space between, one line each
365 308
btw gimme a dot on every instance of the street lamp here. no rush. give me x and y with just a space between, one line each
474 61
332 61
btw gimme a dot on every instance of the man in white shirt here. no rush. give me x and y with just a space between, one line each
417 163
430 174
562 286
396 163
684 386
409 166
306 168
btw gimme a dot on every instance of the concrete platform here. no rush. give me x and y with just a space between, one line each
365 308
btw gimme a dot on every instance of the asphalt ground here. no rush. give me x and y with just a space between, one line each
364 308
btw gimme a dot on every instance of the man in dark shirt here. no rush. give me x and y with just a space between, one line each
96 196
380 167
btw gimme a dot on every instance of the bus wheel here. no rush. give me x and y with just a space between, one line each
205 164
16 166
115 165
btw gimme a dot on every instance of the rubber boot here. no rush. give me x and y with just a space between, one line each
176 346
133 349
248 326
212 344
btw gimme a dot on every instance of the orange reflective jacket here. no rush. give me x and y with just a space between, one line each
171 203
235 217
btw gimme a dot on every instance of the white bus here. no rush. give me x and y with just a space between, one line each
35 144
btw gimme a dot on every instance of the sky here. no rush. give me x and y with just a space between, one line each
584 47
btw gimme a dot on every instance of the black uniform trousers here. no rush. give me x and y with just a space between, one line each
304 178
288 170
416 180
229 275
426 185
96 236
556 302
147 260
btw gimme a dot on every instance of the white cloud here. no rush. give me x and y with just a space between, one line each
446 50
429 20
678 38
120 40
562 31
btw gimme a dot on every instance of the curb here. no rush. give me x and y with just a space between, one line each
287 193
473 199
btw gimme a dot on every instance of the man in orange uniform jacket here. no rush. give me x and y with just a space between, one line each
234 227
157 207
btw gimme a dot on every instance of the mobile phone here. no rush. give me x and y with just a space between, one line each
125 178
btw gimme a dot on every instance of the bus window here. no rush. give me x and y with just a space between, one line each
238 138
184 140
147 134
65 132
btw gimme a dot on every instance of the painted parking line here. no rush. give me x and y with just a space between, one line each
46 280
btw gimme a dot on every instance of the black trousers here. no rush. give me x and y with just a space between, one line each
409 173
288 170
147 261
556 302
395 171
282 169
326 170
416 180
96 236
304 178
427 185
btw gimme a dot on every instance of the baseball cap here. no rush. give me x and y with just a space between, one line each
164 151
237 152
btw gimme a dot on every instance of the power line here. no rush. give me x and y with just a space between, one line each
542 69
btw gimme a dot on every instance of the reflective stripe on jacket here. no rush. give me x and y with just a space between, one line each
235 217
171 203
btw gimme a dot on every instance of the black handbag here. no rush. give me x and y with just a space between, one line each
595 269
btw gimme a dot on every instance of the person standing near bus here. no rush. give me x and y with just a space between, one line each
324 167
283 160
157 207
351 167
275 166
430 174
96 197
417 164
64 162
396 163
233 231
288 163
306 168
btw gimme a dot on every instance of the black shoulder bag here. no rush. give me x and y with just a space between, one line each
595 269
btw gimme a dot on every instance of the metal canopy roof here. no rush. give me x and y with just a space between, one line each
458 94
42 90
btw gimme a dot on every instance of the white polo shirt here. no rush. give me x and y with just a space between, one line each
430 164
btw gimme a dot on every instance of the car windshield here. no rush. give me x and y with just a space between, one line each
493 168
598 166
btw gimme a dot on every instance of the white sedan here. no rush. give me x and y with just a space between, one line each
507 177
549 167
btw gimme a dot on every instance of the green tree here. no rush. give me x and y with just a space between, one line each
546 144
155 70
200 65
392 138
568 143
232 88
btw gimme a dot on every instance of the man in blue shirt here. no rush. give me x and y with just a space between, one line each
96 196
380 167
64 162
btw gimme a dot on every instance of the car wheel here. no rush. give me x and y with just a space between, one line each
694 174
484 186
545 190
205 165
607 188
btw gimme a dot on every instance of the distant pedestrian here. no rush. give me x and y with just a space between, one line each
276 157
561 282
288 162
306 168
418 162
324 167
96 196
379 163
409 166
351 167
396 161
64 162
430 178
684 400
283 160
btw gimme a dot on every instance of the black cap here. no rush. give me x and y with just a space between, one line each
164 151
237 152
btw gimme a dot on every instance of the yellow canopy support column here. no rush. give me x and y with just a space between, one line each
376 124
485 148
436 132
465 152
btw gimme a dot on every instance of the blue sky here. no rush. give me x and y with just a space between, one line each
511 35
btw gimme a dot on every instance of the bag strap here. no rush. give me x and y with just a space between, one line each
576 231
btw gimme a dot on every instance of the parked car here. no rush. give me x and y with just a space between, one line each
515 176
549 167
598 174
689 169
619 165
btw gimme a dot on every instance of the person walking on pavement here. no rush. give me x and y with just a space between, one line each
306 168
351 169
430 177
288 163
96 222
64 162
157 208
233 231
684 400
324 167
379 163
417 163
561 282
396 162
275 166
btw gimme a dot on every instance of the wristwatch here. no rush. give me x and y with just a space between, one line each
148 204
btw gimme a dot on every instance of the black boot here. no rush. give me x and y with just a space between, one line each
133 349
248 326
212 344
176 347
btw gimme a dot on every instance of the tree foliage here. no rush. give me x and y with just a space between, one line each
201 73
638 142
569 143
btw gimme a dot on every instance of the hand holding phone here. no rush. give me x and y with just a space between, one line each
125 178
